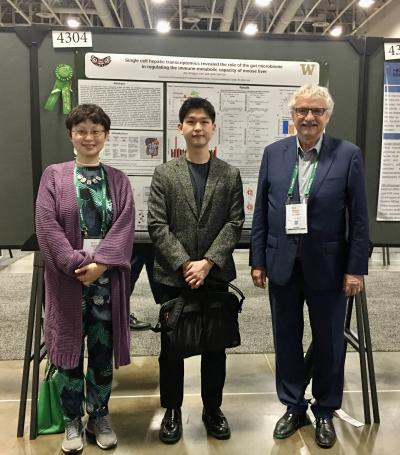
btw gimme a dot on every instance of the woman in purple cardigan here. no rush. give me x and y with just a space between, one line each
85 226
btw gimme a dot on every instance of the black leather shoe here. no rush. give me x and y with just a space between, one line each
216 423
325 434
289 423
135 324
171 426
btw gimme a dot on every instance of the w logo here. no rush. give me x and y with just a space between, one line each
307 68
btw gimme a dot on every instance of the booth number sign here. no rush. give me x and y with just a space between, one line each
392 51
70 38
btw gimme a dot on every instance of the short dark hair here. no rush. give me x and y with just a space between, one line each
85 112
194 102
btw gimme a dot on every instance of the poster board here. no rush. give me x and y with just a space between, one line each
250 98
389 179
381 232
16 196
337 58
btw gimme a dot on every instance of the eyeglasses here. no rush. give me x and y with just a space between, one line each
315 111
83 133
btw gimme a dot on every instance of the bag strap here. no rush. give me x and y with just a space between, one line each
49 371
238 291
156 328
188 292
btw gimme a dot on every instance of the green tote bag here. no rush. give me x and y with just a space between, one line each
50 416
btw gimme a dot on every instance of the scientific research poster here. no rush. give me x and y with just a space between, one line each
389 182
250 98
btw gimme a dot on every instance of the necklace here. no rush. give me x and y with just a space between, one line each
88 180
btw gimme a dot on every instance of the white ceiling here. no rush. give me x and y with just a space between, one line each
281 16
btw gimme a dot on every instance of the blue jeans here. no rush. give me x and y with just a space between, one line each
143 255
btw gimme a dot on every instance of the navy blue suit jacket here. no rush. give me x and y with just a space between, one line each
337 239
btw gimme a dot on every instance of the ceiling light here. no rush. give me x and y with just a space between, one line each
263 3
336 31
163 26
191 19
190 16
158 1
73 22
44 14
251 29
365 3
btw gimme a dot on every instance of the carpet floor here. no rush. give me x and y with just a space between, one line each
255 320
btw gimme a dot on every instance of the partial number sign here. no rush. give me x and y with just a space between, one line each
72 38
392 51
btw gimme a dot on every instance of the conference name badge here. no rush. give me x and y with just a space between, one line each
296 219
91 245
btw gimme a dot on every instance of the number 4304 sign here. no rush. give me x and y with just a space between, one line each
72 38
392 51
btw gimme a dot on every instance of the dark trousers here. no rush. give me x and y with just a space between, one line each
97 328
213 367
327 315
143 255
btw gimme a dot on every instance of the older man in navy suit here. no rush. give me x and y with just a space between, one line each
310 238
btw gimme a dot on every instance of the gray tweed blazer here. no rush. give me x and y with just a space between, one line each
179 233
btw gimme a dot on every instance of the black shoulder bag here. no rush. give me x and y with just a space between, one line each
197 322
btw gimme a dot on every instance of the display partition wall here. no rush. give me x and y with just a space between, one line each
34 137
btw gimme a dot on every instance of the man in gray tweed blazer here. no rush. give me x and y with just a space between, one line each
195 219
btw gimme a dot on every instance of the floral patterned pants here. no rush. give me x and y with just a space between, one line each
97 328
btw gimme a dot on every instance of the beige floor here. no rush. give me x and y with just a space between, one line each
250 404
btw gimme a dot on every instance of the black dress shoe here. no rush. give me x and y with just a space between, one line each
216 423
171 426
289 423
325 434
135 324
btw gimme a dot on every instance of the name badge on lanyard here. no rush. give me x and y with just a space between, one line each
296 214
296 219
91 245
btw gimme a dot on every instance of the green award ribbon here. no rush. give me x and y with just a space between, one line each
62 85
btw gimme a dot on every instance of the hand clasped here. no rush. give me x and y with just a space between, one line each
90 272
195 272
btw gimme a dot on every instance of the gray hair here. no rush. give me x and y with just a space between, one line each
313 91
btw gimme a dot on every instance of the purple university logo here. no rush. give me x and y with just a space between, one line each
100 61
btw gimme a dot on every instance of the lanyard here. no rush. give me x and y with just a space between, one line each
84 227
295 174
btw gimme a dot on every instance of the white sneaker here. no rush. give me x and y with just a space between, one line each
73 438
99 430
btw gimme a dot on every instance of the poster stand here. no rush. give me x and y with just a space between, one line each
361 342
33 337
385 255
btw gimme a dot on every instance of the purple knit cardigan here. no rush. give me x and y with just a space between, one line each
60 240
